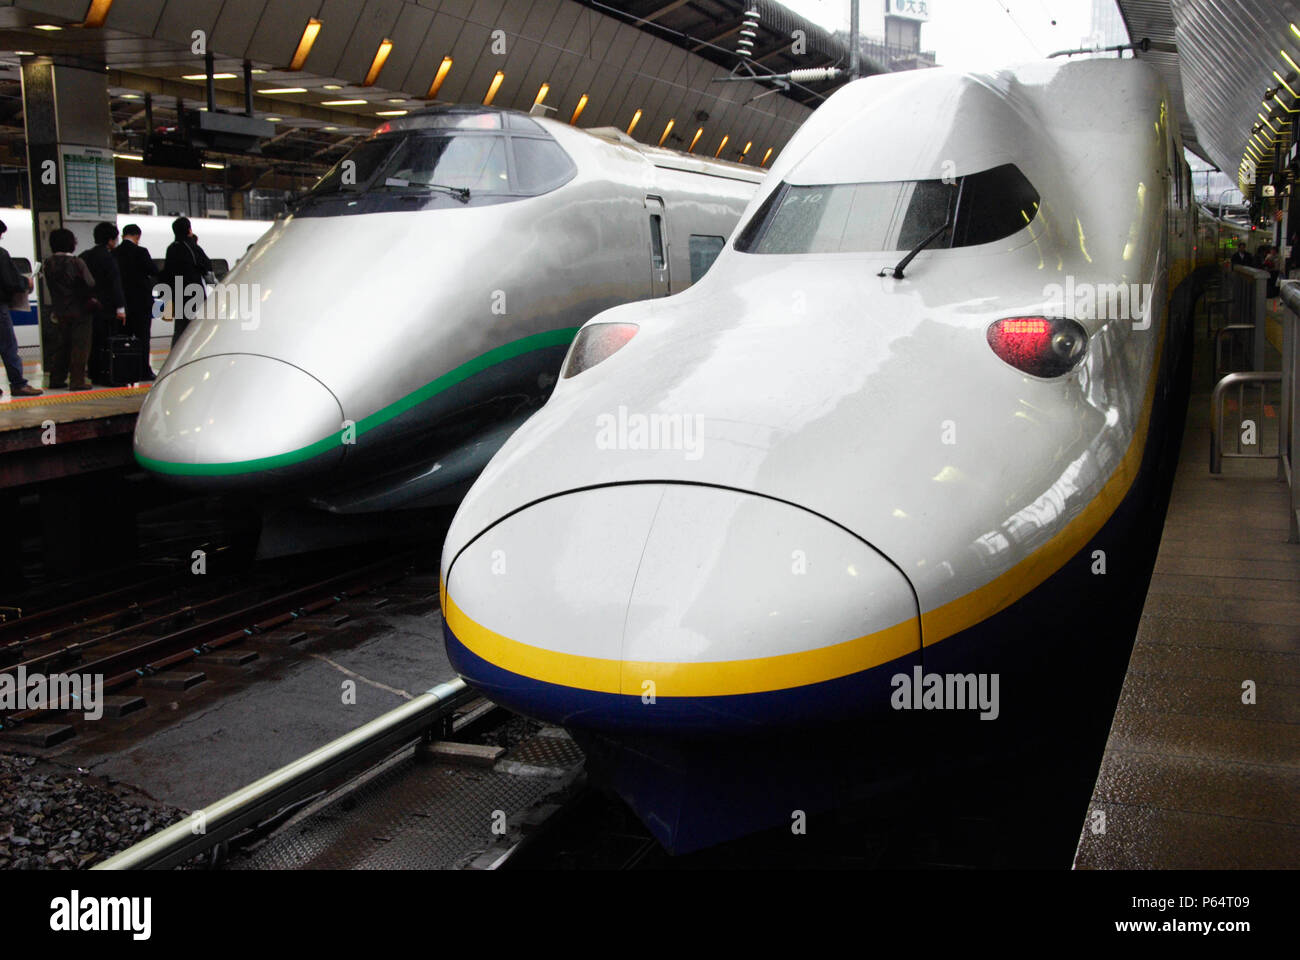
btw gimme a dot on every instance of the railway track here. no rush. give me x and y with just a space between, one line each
457 783
427 784
151 637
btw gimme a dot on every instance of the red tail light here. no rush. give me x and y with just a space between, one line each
1039 346
597 342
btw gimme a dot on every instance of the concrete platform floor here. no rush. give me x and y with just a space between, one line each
1193 776
64 407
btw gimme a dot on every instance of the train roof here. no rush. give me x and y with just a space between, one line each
516 122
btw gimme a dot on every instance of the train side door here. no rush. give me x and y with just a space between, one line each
660 278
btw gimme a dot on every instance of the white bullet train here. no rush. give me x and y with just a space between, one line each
415 306
224 241
888 457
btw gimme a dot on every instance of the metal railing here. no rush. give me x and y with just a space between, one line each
211 826
1289 438
1239 380
1249 310
1242 299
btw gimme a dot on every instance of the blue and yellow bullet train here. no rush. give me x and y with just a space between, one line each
909 424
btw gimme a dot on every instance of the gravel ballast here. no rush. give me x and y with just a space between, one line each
59 818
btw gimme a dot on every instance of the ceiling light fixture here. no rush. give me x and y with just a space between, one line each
376 65
309 34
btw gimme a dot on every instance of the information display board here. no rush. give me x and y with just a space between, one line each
89 183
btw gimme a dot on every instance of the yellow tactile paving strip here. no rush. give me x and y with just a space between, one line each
51 398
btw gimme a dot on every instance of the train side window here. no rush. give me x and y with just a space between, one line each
994 204
704 250
657 241
540 165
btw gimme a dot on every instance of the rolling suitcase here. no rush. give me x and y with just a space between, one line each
122 361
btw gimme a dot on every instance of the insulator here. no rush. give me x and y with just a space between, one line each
814 74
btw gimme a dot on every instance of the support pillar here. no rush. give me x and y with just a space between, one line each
70 166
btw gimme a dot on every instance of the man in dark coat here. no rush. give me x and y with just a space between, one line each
13 287
136 267
109 318
185 270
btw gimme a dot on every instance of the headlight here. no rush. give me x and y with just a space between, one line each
597 342
1039 346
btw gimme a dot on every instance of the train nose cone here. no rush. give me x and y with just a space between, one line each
671 607
233 418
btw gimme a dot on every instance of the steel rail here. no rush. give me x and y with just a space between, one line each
214 824
124 666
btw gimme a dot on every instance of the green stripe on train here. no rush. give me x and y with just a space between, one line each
507 351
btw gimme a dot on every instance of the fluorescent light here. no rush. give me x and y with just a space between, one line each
274 119
25 53
214 166
309 33
667 130
329 129
766 156
722 145
577 111
130 96
47 26
493 87
542 91
215 76
257 70
381 56
341 103
332 86
396 99
695 139
129 156
443 69
272 91
390 113
636 118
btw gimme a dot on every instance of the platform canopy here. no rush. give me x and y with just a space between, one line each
1236 72
623 61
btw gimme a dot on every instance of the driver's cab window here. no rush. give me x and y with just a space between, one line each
476 162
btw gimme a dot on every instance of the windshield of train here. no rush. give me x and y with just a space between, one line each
891 215
412 169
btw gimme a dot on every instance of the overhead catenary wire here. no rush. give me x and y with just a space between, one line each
1007 10
761 71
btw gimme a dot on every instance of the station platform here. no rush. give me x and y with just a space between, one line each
61 434
1202 765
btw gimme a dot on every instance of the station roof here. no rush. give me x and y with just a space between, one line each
1235 60
619 59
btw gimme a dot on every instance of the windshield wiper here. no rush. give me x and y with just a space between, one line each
460 193
902 264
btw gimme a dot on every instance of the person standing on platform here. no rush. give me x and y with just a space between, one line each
1268 263
109 317
136 266
185 267
70 285
14 288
